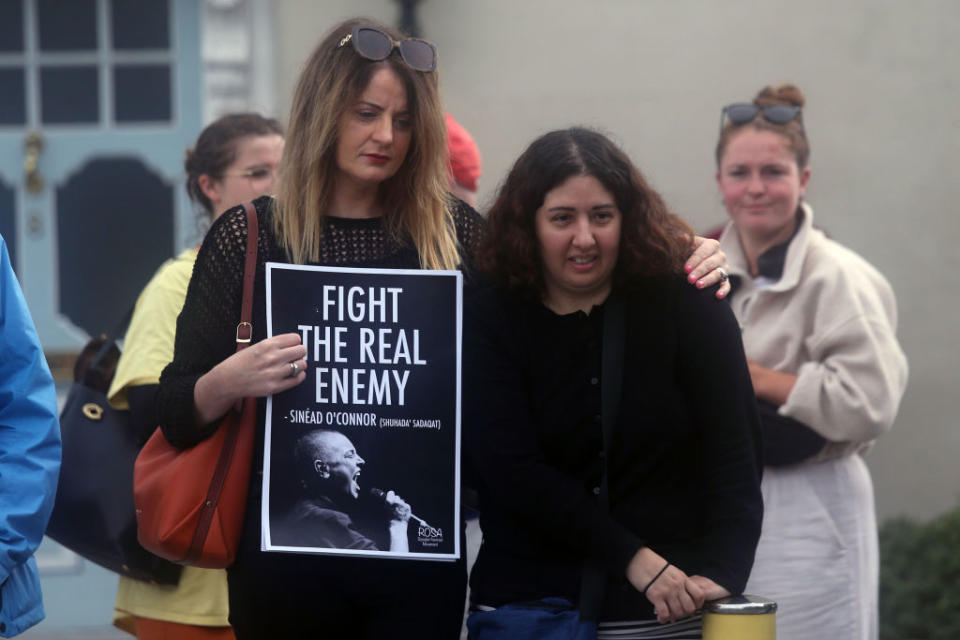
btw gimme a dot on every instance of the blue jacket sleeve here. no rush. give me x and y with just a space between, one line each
29 428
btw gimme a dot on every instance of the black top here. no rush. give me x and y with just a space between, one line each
206 328
684 468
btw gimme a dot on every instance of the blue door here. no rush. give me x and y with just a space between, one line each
98 101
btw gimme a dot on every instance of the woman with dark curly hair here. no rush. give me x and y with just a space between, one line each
575 231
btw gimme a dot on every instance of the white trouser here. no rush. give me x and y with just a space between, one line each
818 554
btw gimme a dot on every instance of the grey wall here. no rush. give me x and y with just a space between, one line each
883 116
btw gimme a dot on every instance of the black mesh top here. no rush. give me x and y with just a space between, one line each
206 328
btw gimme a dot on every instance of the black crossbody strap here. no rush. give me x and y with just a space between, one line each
593 579
97 363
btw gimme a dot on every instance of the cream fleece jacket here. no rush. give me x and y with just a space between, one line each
831 320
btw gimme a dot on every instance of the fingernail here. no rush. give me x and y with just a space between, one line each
721 294
691 277
699 284
688 268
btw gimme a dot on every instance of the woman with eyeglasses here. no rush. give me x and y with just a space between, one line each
364 182
234 159
819 329
577 241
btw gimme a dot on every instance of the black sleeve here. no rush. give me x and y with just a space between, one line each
501 441
720 399
785 440
469 228
143 409
205 327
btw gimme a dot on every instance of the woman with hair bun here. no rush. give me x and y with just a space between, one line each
234 160
819 329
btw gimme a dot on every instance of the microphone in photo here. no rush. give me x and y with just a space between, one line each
380 494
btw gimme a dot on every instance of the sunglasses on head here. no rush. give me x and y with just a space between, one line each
374 44
744 112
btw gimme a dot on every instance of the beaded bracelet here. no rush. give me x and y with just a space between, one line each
650 584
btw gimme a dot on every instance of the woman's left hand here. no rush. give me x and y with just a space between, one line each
663 584
708 266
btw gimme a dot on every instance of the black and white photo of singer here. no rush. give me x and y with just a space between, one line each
328 468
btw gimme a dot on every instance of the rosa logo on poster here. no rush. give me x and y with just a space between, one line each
429 536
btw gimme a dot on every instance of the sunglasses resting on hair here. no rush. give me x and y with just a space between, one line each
744 112
374 44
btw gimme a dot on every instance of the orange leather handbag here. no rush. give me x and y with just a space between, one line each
190 503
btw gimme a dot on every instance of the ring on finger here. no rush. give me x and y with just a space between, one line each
724 276
294 370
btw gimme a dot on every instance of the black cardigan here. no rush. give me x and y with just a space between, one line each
684 467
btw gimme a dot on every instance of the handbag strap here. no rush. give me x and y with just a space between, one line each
245 329
104 361
244 335
593 577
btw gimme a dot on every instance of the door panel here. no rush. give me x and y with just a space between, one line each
143 24
69 95
99 210
11 31
141 93
67 26
13 97
8 223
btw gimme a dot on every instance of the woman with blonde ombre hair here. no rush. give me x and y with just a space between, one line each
363 183
417 186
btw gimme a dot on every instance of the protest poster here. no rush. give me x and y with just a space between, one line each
363 457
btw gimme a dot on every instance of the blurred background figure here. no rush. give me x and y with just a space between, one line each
29 455
234 160
819 328
464 162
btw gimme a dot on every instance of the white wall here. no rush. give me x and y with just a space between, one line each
881 79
